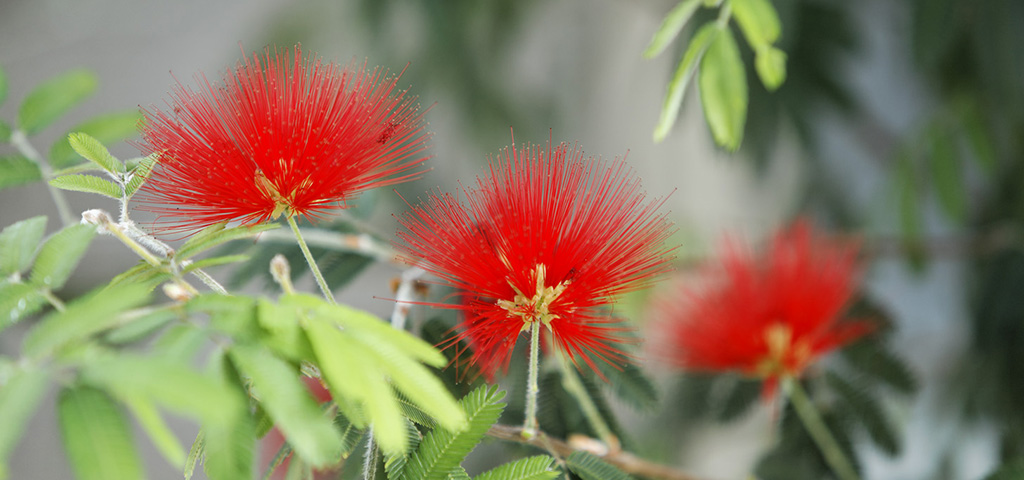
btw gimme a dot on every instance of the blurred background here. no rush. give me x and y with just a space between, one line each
901 121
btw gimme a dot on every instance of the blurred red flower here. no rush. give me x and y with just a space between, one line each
547 235
769 315
285 135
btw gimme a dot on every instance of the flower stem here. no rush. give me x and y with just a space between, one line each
530 424
819 431
572 383
309 259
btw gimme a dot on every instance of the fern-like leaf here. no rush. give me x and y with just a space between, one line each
538 467
589 467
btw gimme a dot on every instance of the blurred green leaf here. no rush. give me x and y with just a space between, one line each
537 467
670 27
677 87
228 445
18 243
948 175
108 129
589 467
20 395
631 385
770 63
758 21
214 262
96 436
723 90
868 410
286 399
17 170
154 425
87 184
195 455
877 360
142 274
140 173
3 85
60 254
81 318
93 150
5 132
17 301
200 243
51 99
442 450
979 138
144 325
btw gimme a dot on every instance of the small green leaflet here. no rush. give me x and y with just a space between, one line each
770 64
758 21
723 90
670 27
18 243
589 467
59 256
17 170
91 149
538 467
677 87
203 241
87 184
19 398
55 97
82 318
96 436
140 174
17 301
155 426
108 129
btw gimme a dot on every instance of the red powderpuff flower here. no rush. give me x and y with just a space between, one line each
546 236
768 315
285 135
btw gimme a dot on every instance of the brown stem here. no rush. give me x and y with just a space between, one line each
625 461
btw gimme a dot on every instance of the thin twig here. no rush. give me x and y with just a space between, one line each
20 142
625 461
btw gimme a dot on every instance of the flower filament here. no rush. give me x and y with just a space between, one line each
536 308
784 357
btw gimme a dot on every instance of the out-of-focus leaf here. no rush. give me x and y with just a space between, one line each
108 129
1012 470
141 274
5 132
20 395
723 90
155 426
96 436
758 21
770 63
286 399
214 262
60 254
87 184
143 326
81 318
935 25
195 455
670 27
228 447
93 150
631 385
17 301
17 170
589 467
51 99
868 411
677 87
198 244
140 173
878 361
948 175
18 243
979 138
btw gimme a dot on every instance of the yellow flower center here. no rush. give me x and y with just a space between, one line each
283 202
784 356
535 308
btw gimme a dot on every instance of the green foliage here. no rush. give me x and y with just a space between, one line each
877 360
93 150
758 21
140 173
947 173
723 90
18 243
866 408
51 99
684 72
17 301
87 184
20 395
215 235
5 132
96 436
59 255
538 467
17 170
442 450
911 227
81 318
156 428
631 385
106 129
195 454
589 467
671 26
1012 470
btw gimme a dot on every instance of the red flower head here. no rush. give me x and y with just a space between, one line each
768 316
547 236
285 135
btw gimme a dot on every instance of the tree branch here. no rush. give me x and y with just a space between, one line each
625 461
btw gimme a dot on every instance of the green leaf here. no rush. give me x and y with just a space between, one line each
948 175
48 101
758 21
537 467
677 87
979 138
82 318
20 396
60 254
214 262
5 132
17 301
589 467
200 243
87 184
288 402
723 90
228 445
174 386
18 243
869 411
442 450
368 323
195 453
770 63
670 27
141 274
96 436
155 426
107 129
3 85
631 385
876 360
144 325
93 150
17 170
140 174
